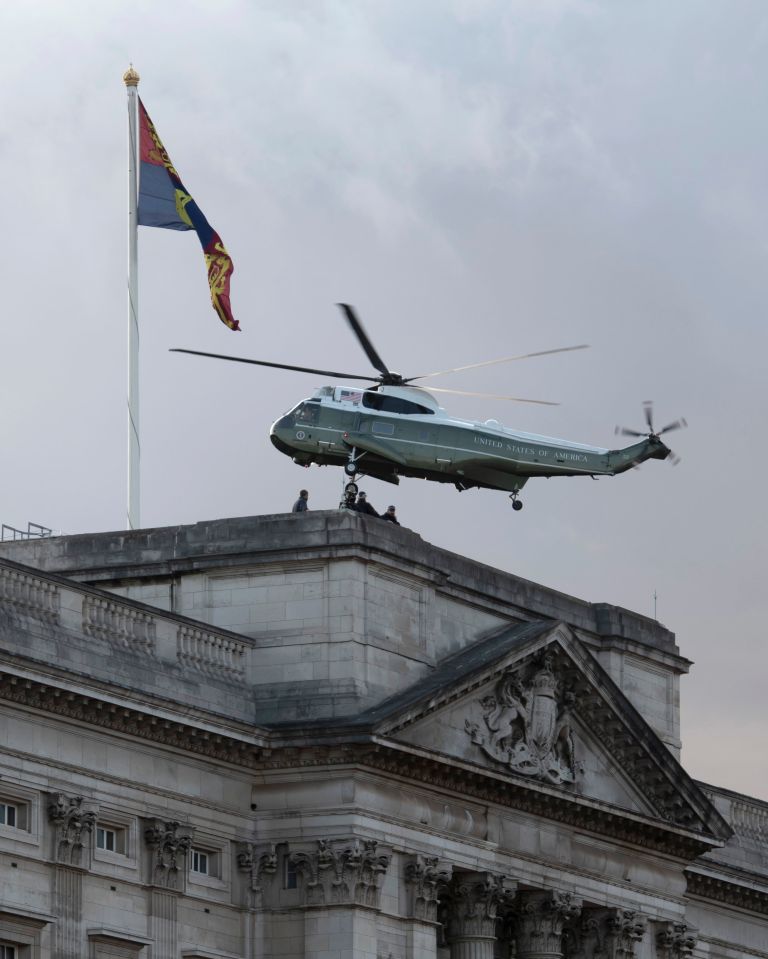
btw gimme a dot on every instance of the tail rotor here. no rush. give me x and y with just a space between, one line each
653 434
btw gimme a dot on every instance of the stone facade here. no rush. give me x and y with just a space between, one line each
318 736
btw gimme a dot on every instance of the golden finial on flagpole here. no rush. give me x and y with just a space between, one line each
131 77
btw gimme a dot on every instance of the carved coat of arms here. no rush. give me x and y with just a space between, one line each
527 724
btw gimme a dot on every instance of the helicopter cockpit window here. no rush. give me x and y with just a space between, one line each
307 413
393 404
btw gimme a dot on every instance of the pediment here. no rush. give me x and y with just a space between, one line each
532 704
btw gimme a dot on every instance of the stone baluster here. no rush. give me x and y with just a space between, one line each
471 911
539 920
72 830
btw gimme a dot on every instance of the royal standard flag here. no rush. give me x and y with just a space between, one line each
164 202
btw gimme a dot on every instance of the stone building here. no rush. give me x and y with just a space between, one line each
319 736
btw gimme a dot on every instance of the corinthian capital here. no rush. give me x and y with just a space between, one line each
676 940
342 872
424 876
170 843
257 861
472 905
604 933
73 824
539 919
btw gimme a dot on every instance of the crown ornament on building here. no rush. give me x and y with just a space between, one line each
131 77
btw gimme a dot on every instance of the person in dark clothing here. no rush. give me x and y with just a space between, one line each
363 506
390 517
300 506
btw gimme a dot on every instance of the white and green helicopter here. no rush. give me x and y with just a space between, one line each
395 429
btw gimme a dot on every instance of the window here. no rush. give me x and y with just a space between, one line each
291 877
201 862
383 429
7 952
110 839
9 816
393 404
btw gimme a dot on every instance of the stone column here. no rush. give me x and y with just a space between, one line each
340 884
72 830
425 877
257 863
604 934
470 912
169 844
538 922
676 940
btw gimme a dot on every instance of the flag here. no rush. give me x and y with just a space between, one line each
165 203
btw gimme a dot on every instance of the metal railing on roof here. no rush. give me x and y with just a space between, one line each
33 531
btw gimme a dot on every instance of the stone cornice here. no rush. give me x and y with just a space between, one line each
540 800
357 746
727 891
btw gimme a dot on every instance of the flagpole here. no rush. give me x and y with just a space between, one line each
131 79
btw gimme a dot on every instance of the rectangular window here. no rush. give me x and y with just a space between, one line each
291 876
7 952
110 839
106 839
9 816
201 862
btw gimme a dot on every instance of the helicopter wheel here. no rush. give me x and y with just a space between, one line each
350 468
517 505
351 489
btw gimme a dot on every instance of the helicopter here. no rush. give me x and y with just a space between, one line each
394 428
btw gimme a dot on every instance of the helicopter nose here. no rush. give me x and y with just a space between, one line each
280 432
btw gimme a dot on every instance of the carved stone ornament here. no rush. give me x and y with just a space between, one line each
257 861
424 876
73 826
603 934
169 848
676 940
526 724
539 921
472 904
338 873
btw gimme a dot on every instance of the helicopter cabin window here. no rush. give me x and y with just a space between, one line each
308 413
350 396
383 429
393 404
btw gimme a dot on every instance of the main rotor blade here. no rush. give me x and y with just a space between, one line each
623 431
648 411
278 366
676 425
505 359
357 329
491 396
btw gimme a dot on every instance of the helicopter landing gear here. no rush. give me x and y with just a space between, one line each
516 503
350 467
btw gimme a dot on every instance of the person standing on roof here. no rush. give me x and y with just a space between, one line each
363 506
300 506
390 517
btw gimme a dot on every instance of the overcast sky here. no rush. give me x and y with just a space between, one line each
479 178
